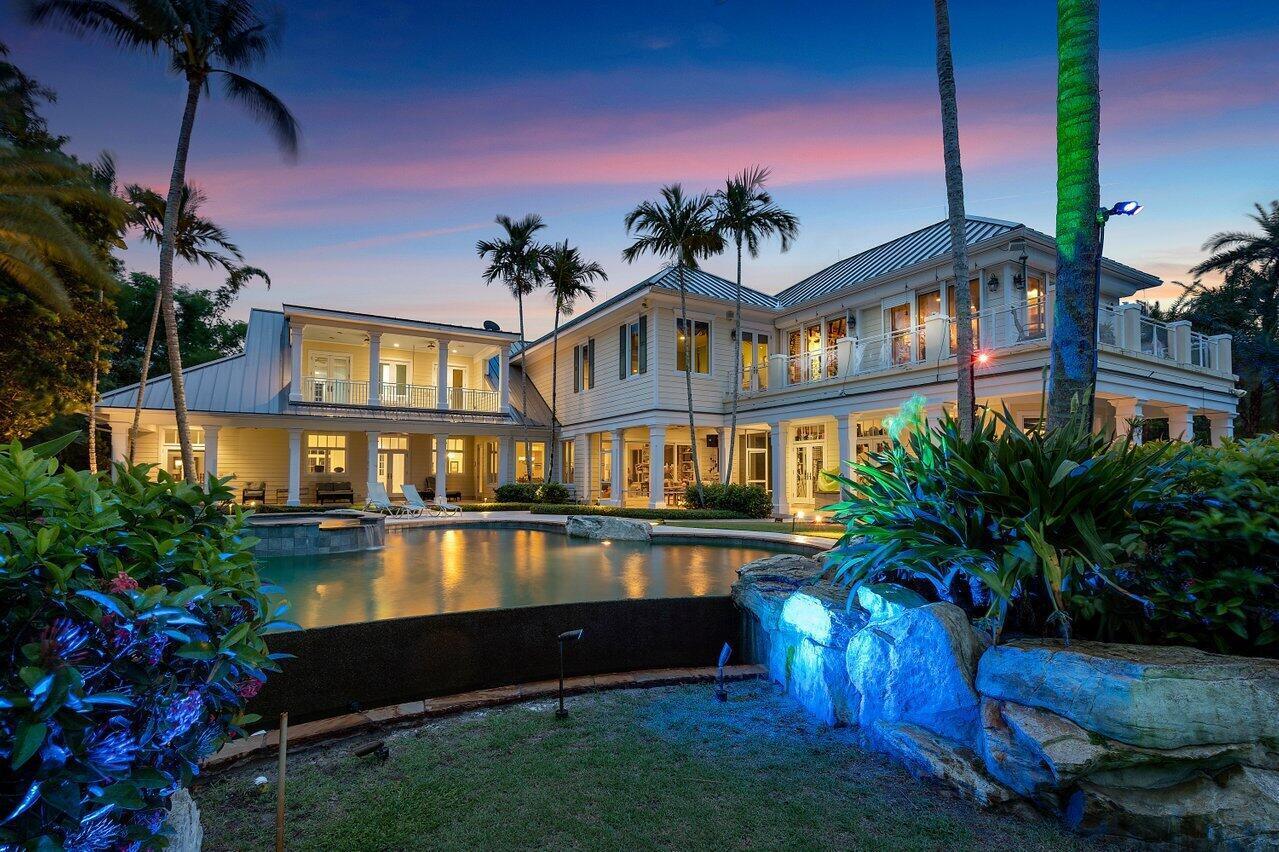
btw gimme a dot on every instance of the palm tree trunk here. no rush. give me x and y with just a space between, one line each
688 386
145 367
965 393
528 452
555 368
176 180
93 401
727 472
1073 355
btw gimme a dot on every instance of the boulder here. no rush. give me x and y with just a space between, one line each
925 754
183 823
919 667
885 600
604 528
1150 697
763 586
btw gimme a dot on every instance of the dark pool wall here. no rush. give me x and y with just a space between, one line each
363 666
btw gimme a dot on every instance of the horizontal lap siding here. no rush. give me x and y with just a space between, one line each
708 390
254 455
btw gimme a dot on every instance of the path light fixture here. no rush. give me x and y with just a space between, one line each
377 750
798 516
721 688
566 636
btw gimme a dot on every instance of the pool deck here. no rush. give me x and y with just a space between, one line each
660 531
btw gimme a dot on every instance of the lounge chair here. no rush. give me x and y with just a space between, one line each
378 501
414 500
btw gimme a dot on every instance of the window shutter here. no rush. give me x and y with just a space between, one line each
577 370
621 352
590 361
643 343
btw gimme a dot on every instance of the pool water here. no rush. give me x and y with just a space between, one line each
432 571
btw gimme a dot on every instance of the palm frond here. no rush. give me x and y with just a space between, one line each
265 107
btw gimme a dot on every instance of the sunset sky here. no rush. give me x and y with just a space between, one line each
421 121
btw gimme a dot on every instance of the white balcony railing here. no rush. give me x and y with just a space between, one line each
394 395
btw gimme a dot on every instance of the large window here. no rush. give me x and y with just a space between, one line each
755 463
700 345
836 330
568 470
632 348
326 453
455 455
584 366
524 450
974 288
754 360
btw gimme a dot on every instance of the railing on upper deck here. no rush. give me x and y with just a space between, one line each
394 395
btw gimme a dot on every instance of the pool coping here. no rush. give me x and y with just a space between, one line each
312 733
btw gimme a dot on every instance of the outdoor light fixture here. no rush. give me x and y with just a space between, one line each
981 358
566 636
378 750
992 284
1124 208
793 518
721 690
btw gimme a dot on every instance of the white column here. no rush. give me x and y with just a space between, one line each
370 470
1130 326
504 380
505 459
617 473
1181 423
724 472
1223 362
441 468
119 445
295 467
656 466
442 373
375 368
211 452
847 452
1222 424
295 355
1179 332
582 467
777 459
1125 410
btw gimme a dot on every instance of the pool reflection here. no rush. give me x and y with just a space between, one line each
426 572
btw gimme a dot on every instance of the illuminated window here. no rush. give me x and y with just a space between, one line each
701 345
584 366
326 453
392 442
632 348
524 450
455 453
811 433
491 468
568 471
197 437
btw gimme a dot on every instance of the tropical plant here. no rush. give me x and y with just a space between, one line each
197 240
1072 376
965 392
515 259
748 501
131 638
745 213
203 39
569 278
1031 517
531 492
682 229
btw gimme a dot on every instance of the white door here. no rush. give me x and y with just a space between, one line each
391 468
394 382
330 378
808 466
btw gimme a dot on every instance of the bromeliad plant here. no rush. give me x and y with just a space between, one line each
131 639
1005 515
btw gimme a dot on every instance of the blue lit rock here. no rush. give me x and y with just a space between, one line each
919 667
604 528
931 756
183 823
885 600
1150 697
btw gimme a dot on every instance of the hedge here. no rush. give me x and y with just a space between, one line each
641 514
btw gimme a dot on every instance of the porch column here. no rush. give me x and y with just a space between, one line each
295 468
119 445
295 353
1181 423
725 475
1222 362
1179 332
656 466
375 368
441 468
1125 410
847 452
211 452
370 470
617 461
1221 424
442 373
505 453
777 459
503 380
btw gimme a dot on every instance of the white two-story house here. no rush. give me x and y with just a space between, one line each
322 396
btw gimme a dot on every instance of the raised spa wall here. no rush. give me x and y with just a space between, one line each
342 531
1171 746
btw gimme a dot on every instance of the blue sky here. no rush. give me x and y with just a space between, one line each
423 121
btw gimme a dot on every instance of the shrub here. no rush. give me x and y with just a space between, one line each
750 501
1008 514
532 492
132 637
639 513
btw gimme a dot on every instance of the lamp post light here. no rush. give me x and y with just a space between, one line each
721 689
566 636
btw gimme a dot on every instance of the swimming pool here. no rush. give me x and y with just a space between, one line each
431 571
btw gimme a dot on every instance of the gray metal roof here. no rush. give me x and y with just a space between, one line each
699 282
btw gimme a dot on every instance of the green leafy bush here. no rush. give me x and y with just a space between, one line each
639 513
1004 516
532 492
132 637
749 501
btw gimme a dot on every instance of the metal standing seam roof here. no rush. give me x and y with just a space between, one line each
917 247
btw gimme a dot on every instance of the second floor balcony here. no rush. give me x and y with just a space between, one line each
320 389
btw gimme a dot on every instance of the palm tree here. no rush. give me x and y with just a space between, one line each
965 393
198 240
569 278
1072 368
203 39
516 261
682 229
745 213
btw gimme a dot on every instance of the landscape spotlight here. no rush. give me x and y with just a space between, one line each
566 636
721 690
1125 208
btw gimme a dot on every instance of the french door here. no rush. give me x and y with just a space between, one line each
330 378
808 466
394 382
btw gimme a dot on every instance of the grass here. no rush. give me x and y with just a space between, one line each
802 528
644 769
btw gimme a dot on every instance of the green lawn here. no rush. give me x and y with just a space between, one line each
642 769
803 528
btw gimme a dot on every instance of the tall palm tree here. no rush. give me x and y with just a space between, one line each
198 240
516 260
1072 374
203 39
746 214
682 229
965 393
569 278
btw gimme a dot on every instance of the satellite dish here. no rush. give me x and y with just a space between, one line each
489 325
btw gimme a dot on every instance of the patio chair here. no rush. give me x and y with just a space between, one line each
378 501
251 491
334 492
414 499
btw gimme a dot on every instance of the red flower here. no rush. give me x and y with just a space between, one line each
123 583
248 688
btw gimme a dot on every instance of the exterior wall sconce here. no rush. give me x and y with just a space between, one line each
992 284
